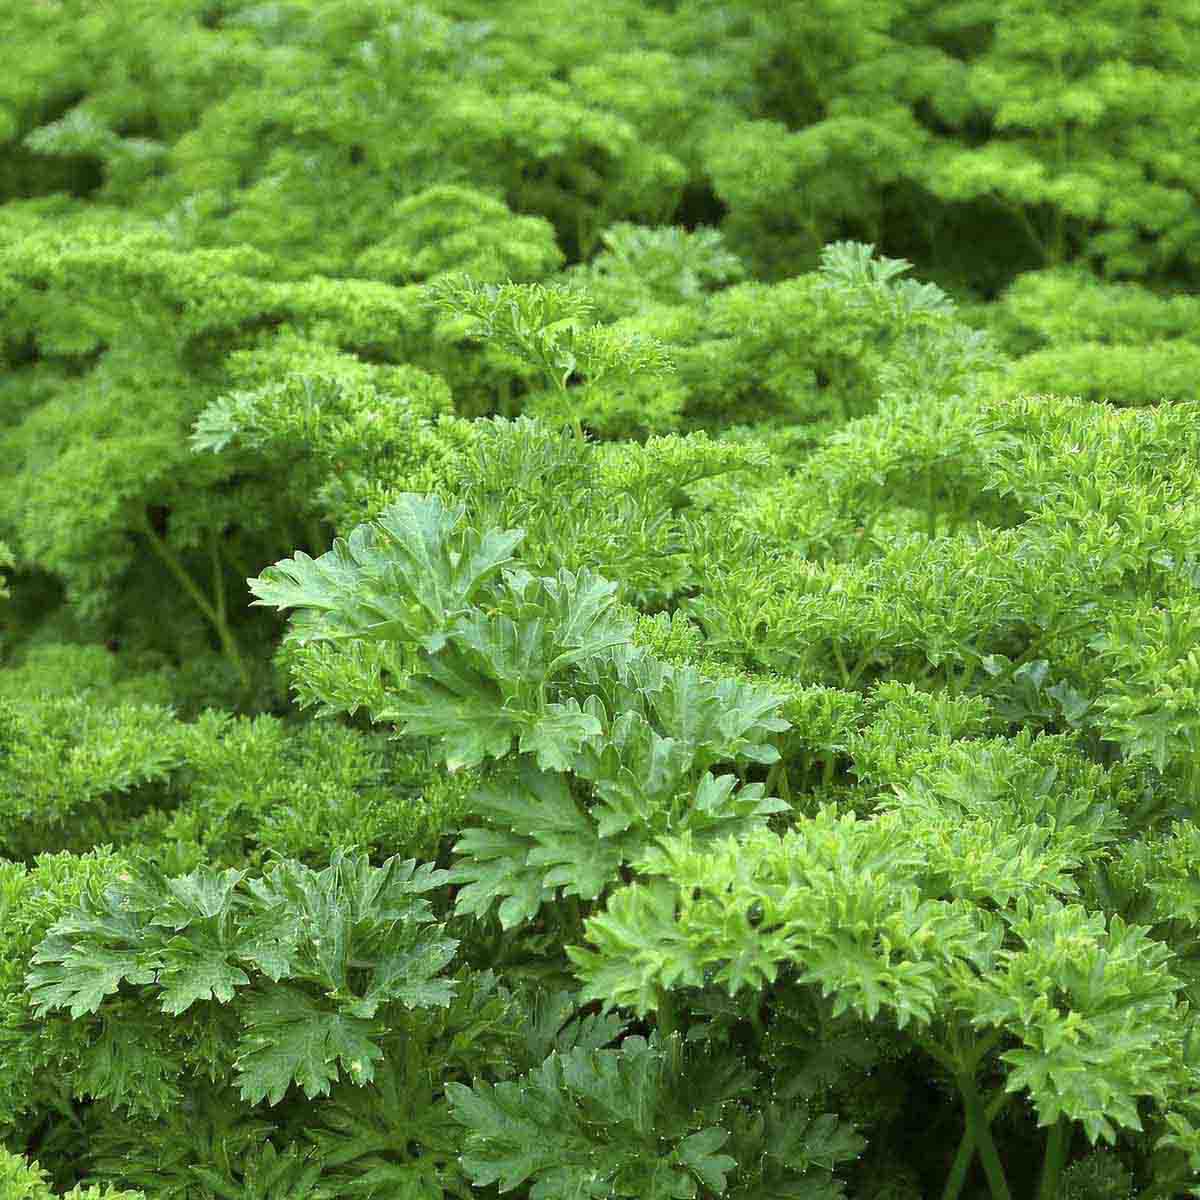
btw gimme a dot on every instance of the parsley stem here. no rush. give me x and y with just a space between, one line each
966 1149
665 1017
777 781
841 662
1058 1143
214 613
981 1132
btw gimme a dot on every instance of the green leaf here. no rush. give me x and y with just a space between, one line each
557 736
79 979
289 1036
587 1123
542 842
197 969
698 1154
493 867
404 578
460 709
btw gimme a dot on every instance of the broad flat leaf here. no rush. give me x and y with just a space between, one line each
338 595
197 968
442 567
512 655
492 866
636 774
288 1037
560 837
583 1124
130 1064
409 977
553 1024
460 709
699 1154
80 977
799 1141
204 893
720 719
326 925
578 609
403 578
558 734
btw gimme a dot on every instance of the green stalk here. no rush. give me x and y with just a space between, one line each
1193 785
981 1132
576 423
1022 218
1058 1144
859 667
867 525
574 913
828 766
666 1018
957 1178
960 1166
218 572
785 792
968 675
841 662
772 776
1062 153
214 613
961 1062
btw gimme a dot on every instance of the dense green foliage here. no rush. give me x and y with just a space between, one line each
599 601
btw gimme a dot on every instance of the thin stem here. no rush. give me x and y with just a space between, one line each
756 1021
940 1054
1023 220
1058 1144
841 662
981 1131
961 1063
864 538
773 776
1062 157
785 792
214 554
961 1165
666 1016
967 675
860 666
966 1149
214 613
